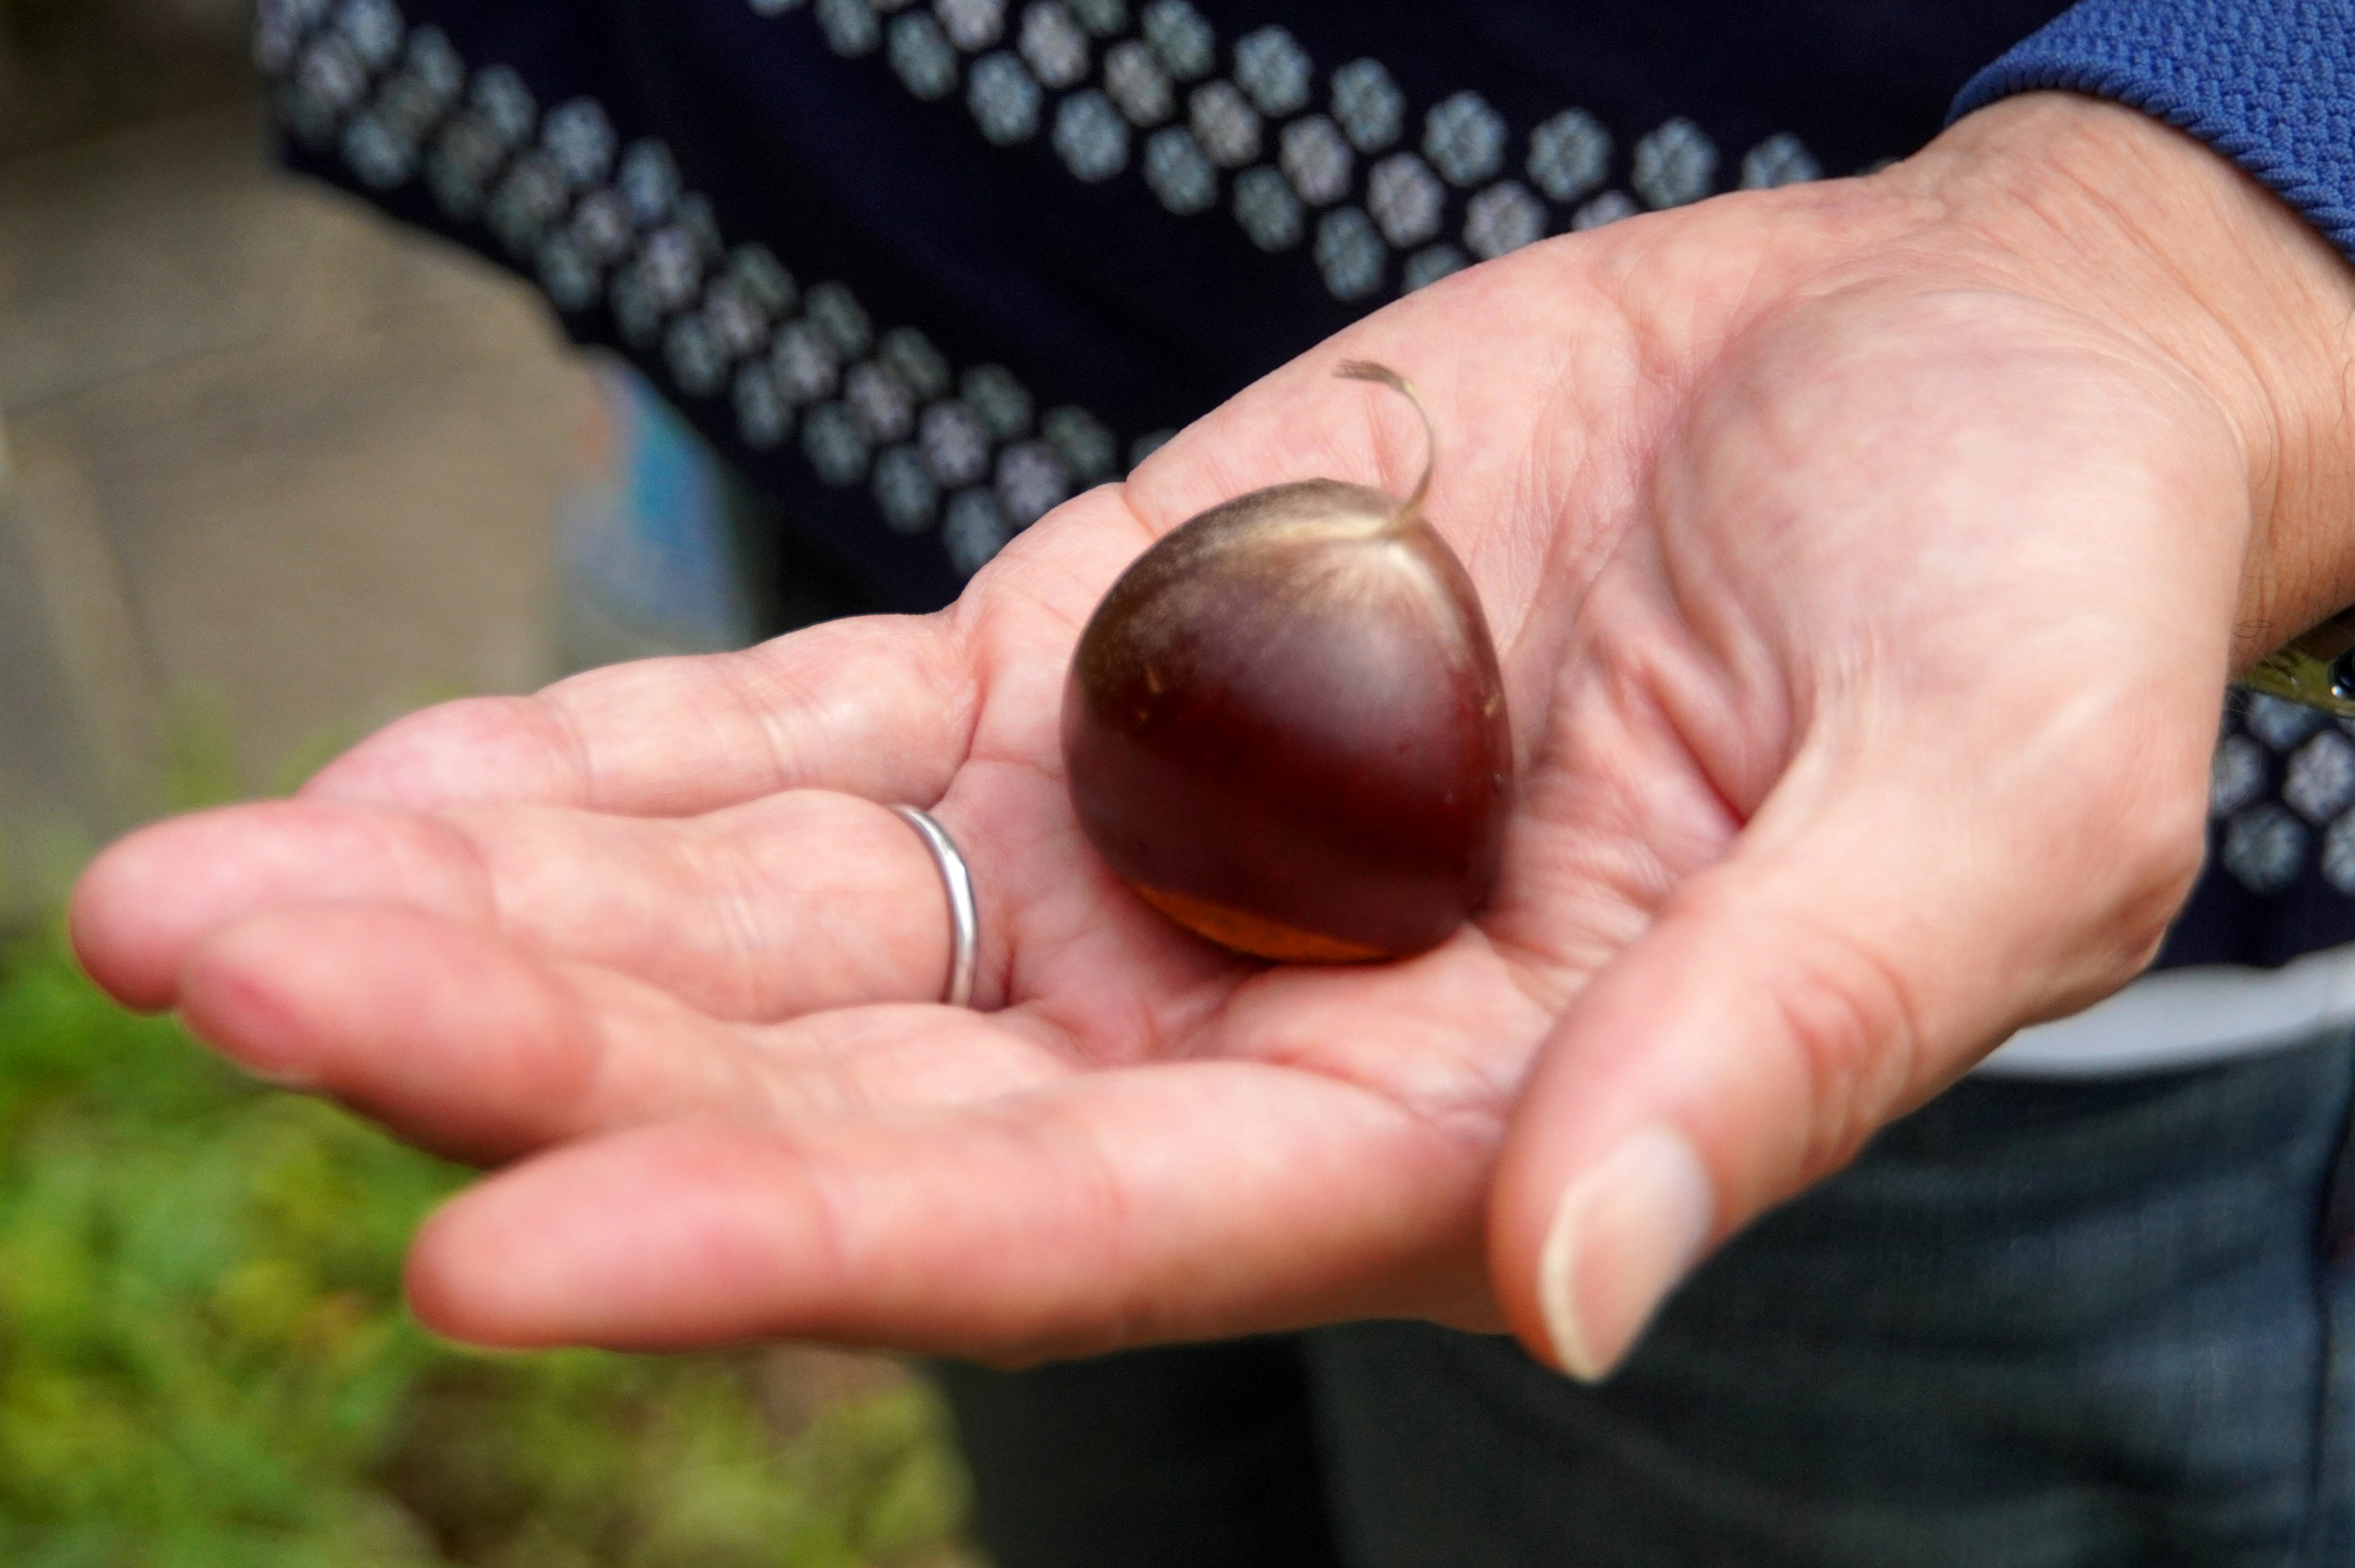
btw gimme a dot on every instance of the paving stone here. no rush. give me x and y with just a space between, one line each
313 460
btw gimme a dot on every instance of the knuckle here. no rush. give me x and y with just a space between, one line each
1852 1024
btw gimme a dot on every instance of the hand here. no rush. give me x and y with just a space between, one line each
1867 561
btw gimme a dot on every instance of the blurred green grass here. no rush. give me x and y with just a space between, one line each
204 1359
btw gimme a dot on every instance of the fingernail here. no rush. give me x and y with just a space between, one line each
1626 1232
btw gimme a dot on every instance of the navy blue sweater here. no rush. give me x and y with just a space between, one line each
924 269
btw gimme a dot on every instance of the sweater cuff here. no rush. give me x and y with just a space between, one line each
2270 84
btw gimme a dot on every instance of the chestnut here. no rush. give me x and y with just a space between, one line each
1284 725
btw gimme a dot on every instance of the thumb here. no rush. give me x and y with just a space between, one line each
1833 973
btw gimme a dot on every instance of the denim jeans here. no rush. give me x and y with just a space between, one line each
2035 1325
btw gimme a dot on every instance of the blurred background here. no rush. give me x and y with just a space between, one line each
271 473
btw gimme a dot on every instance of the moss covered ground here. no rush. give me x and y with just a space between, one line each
204 1357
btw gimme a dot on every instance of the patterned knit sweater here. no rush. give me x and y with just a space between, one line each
923 268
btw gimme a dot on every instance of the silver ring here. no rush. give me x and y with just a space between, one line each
964 917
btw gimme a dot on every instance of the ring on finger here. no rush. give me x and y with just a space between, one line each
964 916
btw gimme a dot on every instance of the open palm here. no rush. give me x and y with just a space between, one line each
1863 611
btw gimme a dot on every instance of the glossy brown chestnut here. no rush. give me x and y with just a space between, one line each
1284 725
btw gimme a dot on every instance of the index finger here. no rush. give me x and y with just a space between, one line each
882 706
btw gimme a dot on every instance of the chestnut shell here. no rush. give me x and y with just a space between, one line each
1284 727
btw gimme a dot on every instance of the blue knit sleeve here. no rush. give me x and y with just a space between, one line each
2270 84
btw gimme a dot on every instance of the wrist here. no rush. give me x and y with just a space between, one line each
2111 213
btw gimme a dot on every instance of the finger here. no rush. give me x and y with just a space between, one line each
1119 1207
788 905
147 899
880 706
791 904
462 1042
1786 1004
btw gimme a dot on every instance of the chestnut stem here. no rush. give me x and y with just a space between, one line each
1367 370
